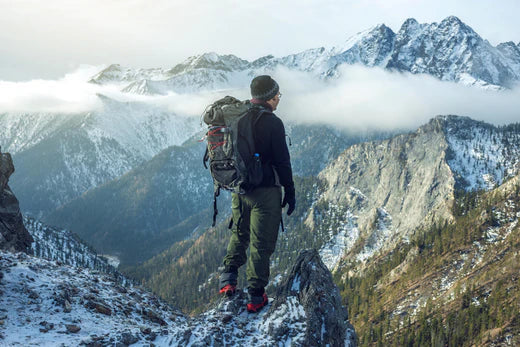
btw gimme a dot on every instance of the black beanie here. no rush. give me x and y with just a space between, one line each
264 88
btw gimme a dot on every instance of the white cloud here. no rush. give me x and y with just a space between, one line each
361 98
73 94
376 98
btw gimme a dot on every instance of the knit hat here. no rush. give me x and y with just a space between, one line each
264 88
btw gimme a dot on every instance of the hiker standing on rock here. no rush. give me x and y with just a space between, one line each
257 210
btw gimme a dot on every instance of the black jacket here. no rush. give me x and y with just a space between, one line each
271 145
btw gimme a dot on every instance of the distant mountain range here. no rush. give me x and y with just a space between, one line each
60 156
449 50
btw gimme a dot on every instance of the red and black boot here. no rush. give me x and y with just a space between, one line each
257 300
228 281
228 289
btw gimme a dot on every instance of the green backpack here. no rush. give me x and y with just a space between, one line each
233 161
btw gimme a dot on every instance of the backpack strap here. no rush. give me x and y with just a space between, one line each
205 158
215 209
261 111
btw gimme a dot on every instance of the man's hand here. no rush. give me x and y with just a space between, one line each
289 199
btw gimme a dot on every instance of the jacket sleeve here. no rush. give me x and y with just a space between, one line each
281 158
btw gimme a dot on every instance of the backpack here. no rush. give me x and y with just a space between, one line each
233 162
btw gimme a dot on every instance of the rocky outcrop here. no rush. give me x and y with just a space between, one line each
306 311
310 284
13 235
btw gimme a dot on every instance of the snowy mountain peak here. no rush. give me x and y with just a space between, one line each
511 52
453 21
509 45
408 24
110 73
366 36
262 61
210 61
455 26
449 50
118 74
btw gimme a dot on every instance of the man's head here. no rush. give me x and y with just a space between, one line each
266 89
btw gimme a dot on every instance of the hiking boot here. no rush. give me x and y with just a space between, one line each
256 303
228 289
228 281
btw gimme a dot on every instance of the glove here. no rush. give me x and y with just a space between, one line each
289 199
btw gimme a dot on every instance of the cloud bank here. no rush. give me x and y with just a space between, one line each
375 98
362 98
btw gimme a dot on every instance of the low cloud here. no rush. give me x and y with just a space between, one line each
74 94
375 98
362 98
71 94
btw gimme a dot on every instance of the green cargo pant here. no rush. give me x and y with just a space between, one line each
256 218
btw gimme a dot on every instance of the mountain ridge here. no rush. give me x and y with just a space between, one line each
449 50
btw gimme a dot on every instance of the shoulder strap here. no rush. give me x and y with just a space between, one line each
253 126
215 209
205 158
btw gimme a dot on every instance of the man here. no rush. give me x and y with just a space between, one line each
257 215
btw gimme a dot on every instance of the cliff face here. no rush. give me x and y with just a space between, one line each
13 235
383 191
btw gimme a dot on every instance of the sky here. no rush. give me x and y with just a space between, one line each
47 39
49 50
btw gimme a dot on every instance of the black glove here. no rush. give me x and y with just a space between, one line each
290 199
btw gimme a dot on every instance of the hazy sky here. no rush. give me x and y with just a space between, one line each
46 39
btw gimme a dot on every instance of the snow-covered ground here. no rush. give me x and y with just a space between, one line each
45 303
482 155
341 239
64 246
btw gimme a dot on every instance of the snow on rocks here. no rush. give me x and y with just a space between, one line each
321 310
46 304
64 246
481 156
341 239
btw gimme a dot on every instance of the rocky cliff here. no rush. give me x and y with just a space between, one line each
383 191
379 194
13 235
45 303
